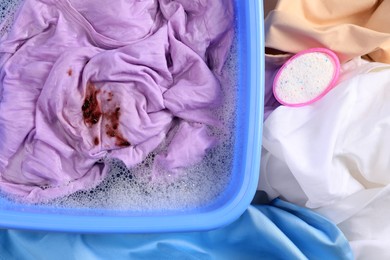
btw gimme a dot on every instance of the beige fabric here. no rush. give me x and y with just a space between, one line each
351 28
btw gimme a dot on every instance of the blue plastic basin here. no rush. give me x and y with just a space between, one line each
245 170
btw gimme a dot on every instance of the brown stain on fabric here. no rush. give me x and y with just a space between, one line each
96 141
91 107
92 113
110 95
112 127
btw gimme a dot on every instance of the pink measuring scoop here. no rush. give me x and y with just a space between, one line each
306 77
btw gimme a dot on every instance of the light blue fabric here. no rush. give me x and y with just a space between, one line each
279 230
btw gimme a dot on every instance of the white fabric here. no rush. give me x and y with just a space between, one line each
335 147
334 156
364 219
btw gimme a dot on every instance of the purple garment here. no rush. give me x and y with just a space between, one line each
87 81
272 64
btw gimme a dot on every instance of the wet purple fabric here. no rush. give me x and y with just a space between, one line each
87 81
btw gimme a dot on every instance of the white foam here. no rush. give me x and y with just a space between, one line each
8 9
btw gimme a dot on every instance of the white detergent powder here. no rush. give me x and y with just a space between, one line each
304 78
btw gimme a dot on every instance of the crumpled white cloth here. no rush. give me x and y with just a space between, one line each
363 217
334 156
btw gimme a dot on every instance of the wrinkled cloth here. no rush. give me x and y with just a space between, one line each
318 154
87 81
363 219
351 29
276 231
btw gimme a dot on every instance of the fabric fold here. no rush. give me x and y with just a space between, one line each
350 30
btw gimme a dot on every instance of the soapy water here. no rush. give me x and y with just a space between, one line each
8 9
134 188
